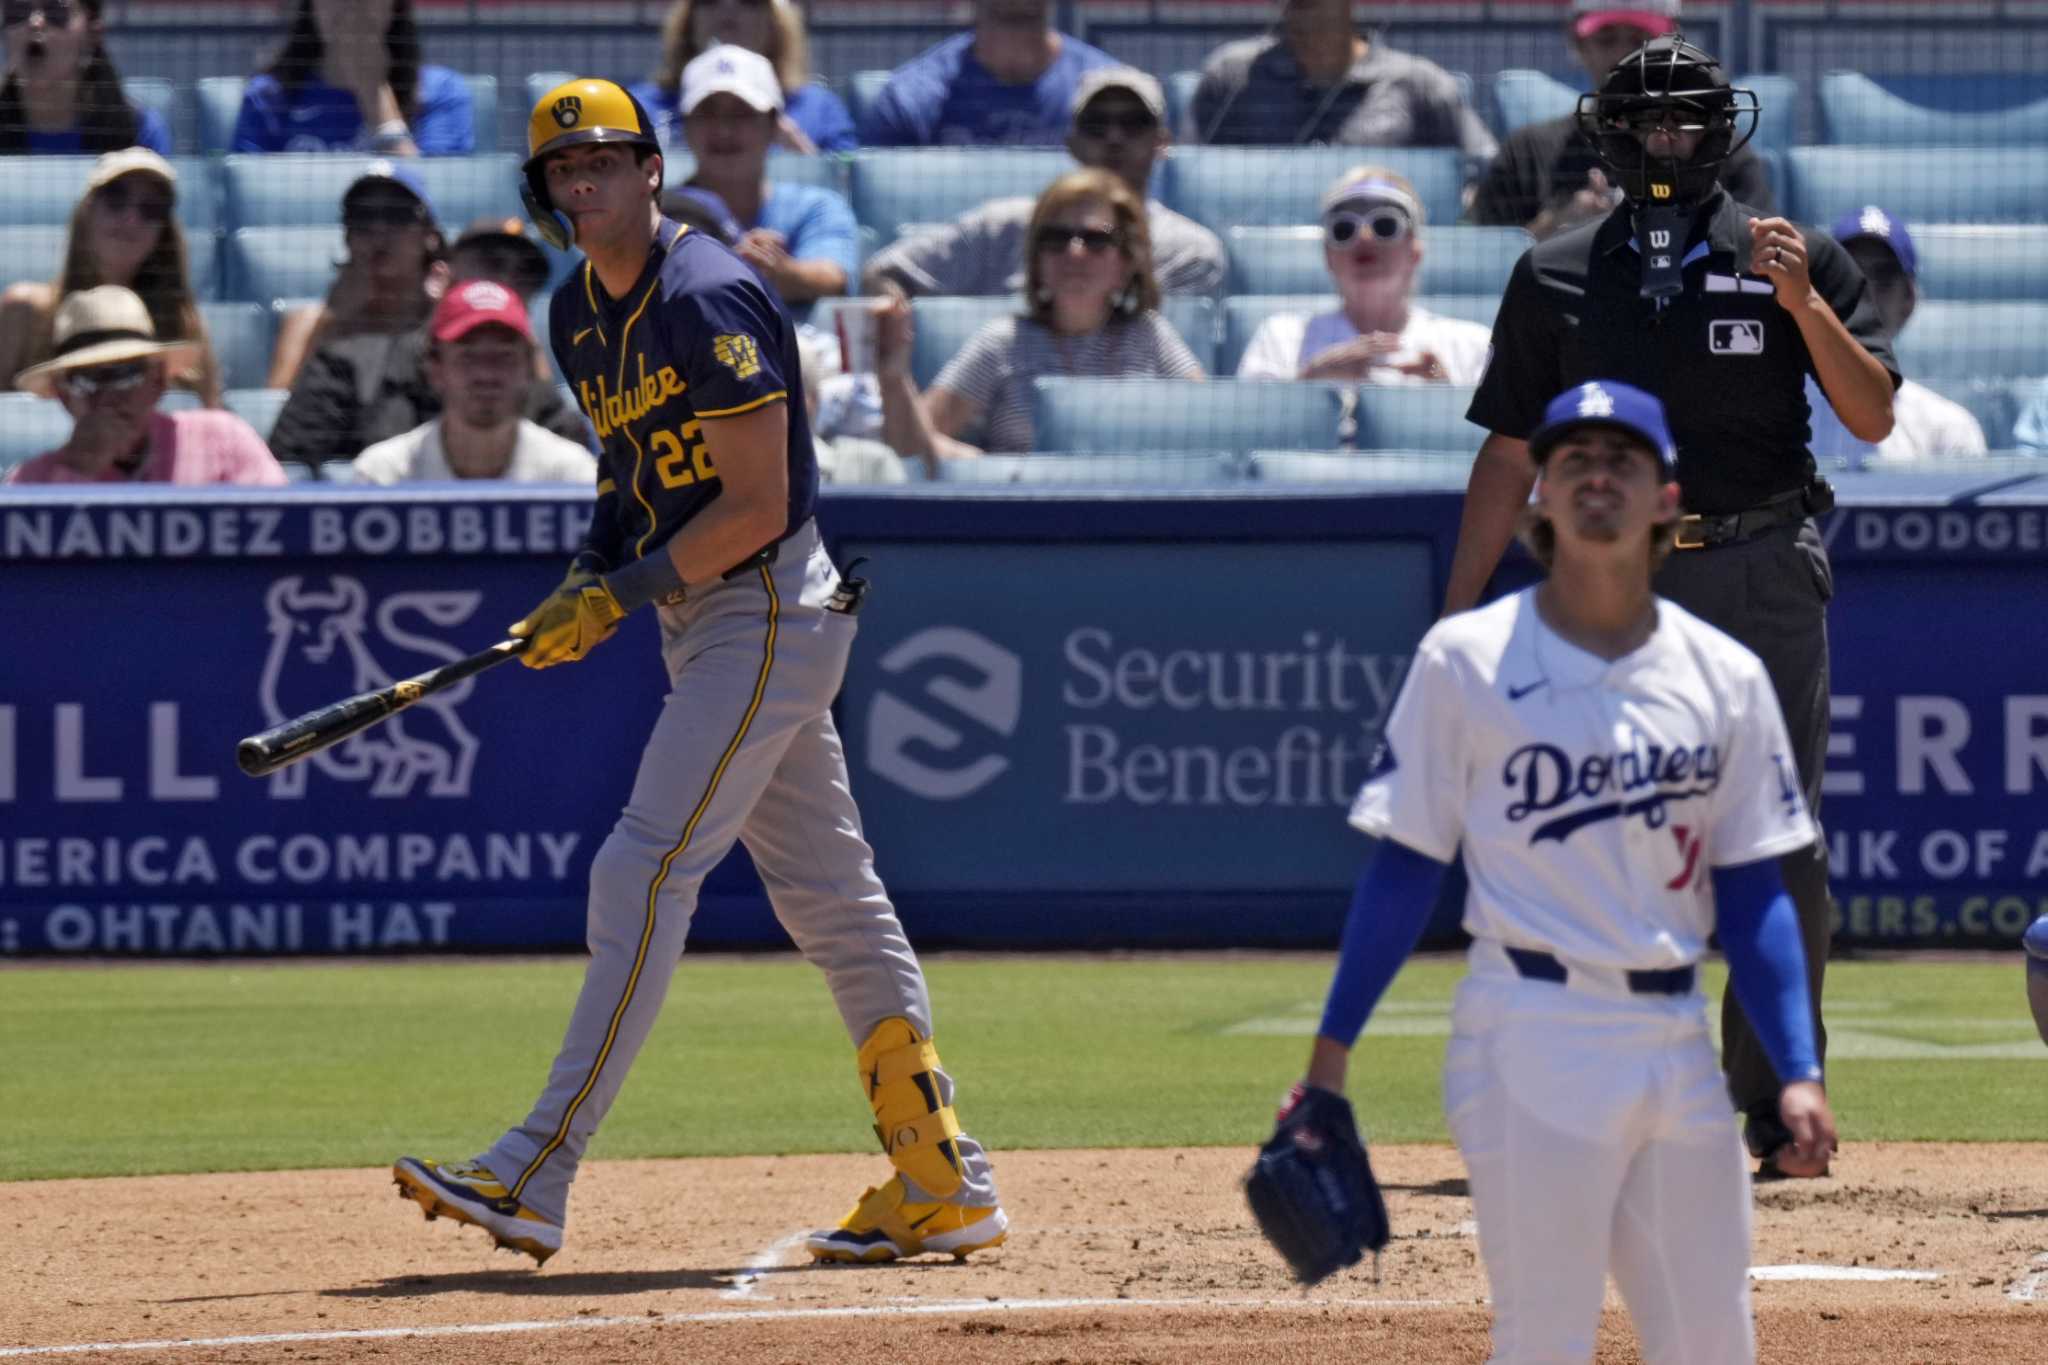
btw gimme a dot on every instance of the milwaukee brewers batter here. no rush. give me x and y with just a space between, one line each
687 366
1619 778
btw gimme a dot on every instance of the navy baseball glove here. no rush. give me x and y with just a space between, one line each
1312 1188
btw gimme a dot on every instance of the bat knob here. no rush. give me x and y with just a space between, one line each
252 757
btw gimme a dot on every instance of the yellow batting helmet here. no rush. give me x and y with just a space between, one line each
574 114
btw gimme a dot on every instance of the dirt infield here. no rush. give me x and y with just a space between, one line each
1115 1256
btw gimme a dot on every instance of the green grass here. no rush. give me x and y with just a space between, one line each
133 1070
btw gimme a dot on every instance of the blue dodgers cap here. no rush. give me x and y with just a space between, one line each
1873 222
395 173
1606 403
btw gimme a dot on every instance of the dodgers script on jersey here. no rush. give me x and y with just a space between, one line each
697 336
1591 796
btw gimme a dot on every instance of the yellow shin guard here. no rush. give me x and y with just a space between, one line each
918 1133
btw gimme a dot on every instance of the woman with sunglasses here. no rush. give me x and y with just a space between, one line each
124 231
349 79
62 95
1091 309
813 119
1372 246
389 280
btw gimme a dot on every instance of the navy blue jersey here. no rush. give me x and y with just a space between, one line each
697 336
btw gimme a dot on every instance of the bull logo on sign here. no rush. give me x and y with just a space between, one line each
320 652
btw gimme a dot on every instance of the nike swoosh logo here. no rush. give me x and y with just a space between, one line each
920 1222
577 340
1517 693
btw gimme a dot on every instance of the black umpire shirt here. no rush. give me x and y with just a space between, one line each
1545 162
1727 361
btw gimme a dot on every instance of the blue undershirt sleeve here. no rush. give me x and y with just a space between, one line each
1388 912
1767 966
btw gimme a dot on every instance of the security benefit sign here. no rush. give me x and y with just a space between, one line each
1935 795
1125 717
468 820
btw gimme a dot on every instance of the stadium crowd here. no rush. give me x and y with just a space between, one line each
340 278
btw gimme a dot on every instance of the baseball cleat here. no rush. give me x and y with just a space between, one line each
467 1192
886 1226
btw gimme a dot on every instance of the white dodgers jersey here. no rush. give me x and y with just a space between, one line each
1591 795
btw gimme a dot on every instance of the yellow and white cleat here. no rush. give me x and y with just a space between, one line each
469 1193
885 1226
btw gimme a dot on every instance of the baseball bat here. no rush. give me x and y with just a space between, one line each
303 736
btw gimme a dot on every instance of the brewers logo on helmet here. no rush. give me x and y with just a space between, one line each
576 114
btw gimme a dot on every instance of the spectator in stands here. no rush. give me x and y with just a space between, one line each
1925 425
368 386
109 370
702 210
2030 431
479 362
801 239
389 279
1090 308
62 95
841 459
1119 125
813 119
494 248
1372 245
1547 176
1318 80
1010 79
124 231
349 79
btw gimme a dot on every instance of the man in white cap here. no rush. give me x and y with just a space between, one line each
1548 177
108 370
1118 125
480 360
1372 247
802 239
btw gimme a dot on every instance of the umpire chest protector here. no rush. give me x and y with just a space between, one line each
1728 362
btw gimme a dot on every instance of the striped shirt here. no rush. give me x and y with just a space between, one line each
995 369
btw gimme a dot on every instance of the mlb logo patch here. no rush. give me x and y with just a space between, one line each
1735 336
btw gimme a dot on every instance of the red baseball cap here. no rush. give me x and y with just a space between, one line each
1654 17
477 303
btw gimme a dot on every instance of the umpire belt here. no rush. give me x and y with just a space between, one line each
1728 528
1538 965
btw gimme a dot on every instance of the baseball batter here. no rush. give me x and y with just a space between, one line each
1619 777
687 366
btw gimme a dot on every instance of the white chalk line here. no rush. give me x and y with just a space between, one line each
2028 1288
936 1308
743 1284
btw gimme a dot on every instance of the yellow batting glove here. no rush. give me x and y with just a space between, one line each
576 617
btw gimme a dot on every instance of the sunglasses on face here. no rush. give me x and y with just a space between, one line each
56 13
151 208
1386 223
363 217
1094 241
1130 124
106 378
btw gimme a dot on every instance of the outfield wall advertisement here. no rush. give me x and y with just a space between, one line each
1093 721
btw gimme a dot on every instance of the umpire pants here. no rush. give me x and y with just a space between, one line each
1771 593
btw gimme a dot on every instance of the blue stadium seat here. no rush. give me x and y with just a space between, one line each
1985 263
1522 97
242 336
1132 469
945 325
1946 342
262 265
304 189
1226 187
259 408
891 186
29 426
828 170
1180 104
1455 260
220 105
1416 417
1424 469
45 189
1167 415
157 95
862 87
31 252
1949 111
338 471
1952 185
